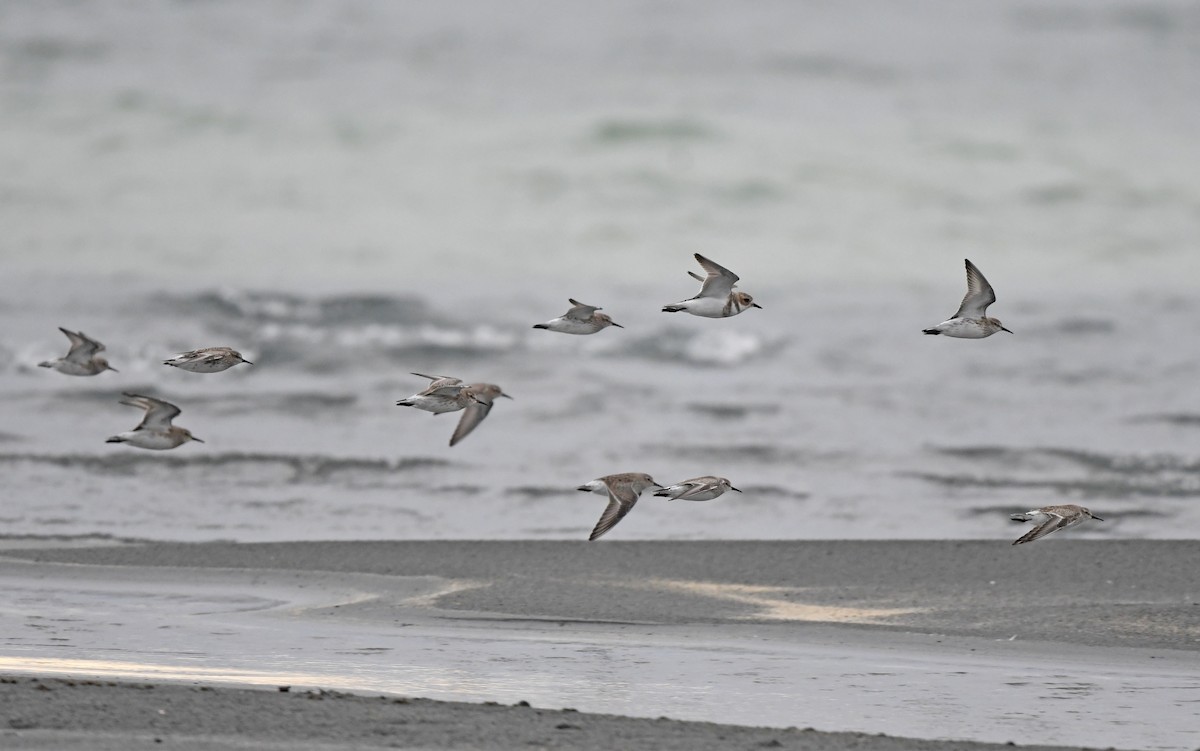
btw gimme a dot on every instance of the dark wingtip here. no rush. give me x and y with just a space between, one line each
541 326
114 439
932 332
46 364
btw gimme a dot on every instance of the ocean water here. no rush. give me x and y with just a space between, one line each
350 192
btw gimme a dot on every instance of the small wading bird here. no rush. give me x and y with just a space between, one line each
697 489
717 298
446 394
622 491
81 359
155 431
580 319
207 360
971 321
1051 519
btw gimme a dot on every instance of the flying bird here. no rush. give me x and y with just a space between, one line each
703 488
971 321
1051 519
81 359
155 431
622 491
207 360
717 298
580 319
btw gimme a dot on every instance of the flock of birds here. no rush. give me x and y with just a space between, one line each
718 298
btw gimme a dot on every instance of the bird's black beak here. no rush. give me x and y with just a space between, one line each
756 305
1004 329
197 440
112 368
733 488
614 323
506 396
247 362
1097 518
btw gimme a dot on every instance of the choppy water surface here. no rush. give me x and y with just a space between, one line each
350 193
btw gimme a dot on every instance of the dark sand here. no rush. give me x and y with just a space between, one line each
45 713
1064 599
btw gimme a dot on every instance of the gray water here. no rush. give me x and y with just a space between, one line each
350 192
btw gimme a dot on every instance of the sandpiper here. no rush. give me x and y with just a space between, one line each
207 360
81 359
1049 519
580 319
717 298
622 491
970 322
703 488
482 395
444 394
155 431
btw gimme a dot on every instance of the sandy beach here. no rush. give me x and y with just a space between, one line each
1067 643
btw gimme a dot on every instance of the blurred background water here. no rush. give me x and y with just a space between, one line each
348 192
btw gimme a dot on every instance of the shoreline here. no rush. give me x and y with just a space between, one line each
846 637
40 712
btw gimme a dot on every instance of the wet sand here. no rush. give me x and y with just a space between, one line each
1063 642
68 714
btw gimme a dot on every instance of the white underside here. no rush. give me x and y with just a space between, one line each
571 326
435 404
147 439
75 369
201 366
707 307
964 328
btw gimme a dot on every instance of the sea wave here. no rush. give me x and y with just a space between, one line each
302 468
703 347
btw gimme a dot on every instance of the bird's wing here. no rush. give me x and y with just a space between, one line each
158 413
620 501
473 414
979 295
1047 522
83 347
720 280
441 386
696 487
580 312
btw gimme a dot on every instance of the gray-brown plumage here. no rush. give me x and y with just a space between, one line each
81 359
1051 519
622 491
